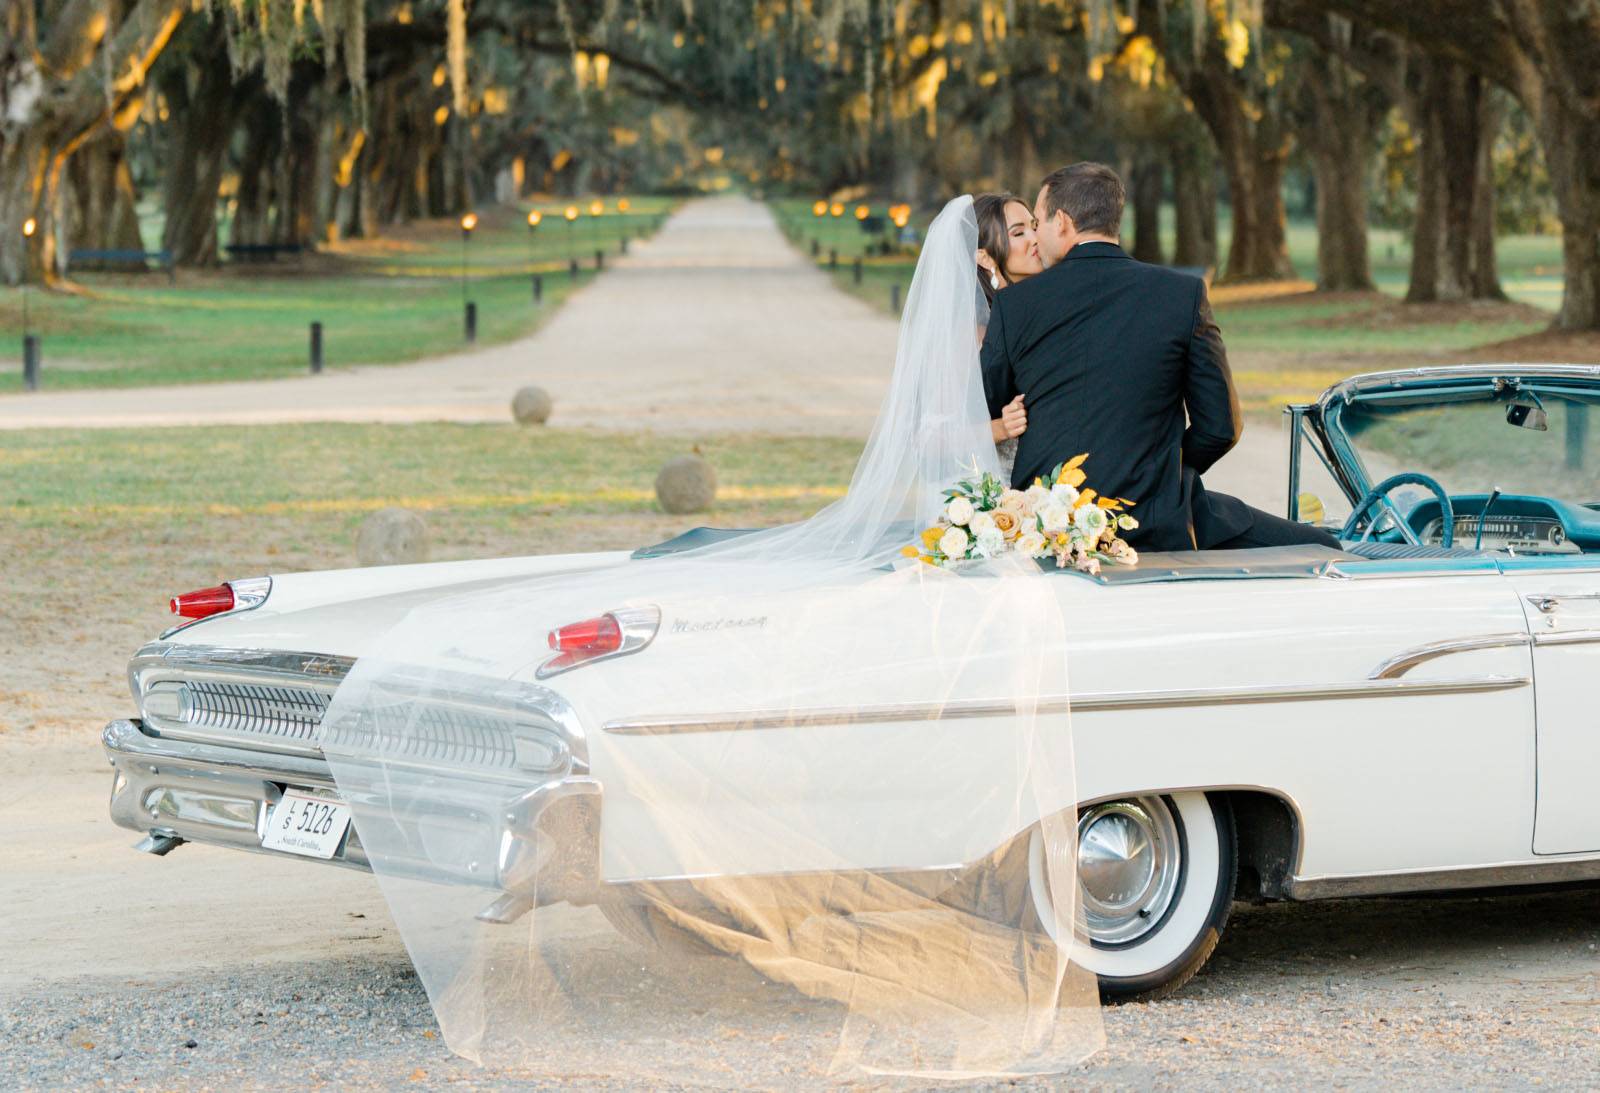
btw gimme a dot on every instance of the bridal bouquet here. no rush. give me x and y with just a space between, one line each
1059 517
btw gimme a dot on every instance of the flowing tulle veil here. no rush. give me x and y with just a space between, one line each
900 867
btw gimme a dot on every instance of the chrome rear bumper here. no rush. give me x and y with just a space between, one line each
541 845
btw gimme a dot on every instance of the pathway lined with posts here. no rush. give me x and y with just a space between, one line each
714 324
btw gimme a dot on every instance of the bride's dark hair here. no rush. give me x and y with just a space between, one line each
993 239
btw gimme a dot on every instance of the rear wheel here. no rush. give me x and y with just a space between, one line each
1155 880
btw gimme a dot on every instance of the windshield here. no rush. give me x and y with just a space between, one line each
1473 446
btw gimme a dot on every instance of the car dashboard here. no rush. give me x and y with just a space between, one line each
1515 524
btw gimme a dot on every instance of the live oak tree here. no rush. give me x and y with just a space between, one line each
1547 54
70 71
74 76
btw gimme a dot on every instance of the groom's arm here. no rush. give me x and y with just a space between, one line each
1215 423
999 383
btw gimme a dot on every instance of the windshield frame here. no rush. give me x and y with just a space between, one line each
1438 386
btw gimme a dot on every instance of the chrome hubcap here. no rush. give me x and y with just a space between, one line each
1128 860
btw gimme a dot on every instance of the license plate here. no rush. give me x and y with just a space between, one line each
303 823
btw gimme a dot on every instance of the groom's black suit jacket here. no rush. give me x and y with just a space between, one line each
1109 353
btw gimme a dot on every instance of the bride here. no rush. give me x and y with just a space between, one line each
862 671
1008 252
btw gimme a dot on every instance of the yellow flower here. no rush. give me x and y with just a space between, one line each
931 536
909 551
1073 477
1084 498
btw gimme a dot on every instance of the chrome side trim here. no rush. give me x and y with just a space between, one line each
1402 662
1567 637
1500 875
1050 704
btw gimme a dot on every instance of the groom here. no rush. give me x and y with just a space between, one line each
1111 356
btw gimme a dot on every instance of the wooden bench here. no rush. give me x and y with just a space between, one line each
140 258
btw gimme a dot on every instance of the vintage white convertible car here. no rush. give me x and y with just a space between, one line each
1408 714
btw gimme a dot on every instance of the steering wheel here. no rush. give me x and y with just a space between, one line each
1380 492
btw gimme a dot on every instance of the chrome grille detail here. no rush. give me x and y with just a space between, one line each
282 711
429 734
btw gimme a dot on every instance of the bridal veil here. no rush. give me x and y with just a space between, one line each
830 803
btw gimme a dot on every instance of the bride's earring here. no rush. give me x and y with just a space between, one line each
994 281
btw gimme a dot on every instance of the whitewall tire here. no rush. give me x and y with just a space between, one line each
1155 880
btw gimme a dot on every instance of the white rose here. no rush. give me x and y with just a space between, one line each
1056 516
958 511
953 544
1015 500
1091 520
1035 496
981 524
1032 544
991 543
1067 495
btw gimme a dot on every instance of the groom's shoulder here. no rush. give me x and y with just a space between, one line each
1171 282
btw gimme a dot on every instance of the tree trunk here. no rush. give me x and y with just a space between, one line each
1254 147
200 99
263 141
1149 180
1337 113
1569 141
1259 248
1453 120
1194 193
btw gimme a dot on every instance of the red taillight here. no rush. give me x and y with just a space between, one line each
203 603
591 637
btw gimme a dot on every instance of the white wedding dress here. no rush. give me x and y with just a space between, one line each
913 979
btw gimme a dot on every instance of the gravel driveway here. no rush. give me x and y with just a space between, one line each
1409 993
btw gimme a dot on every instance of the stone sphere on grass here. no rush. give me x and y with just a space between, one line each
531 406
392 536
686 484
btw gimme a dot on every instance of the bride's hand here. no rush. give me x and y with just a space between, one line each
1012 421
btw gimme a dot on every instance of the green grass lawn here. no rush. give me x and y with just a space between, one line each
499 474
385 301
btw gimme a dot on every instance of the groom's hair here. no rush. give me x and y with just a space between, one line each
1090 193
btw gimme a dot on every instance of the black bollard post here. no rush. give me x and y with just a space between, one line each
538 288
573 269
30 362
316 348
894 298
816 247
855 271
472 321
622 245
599 260
833 258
